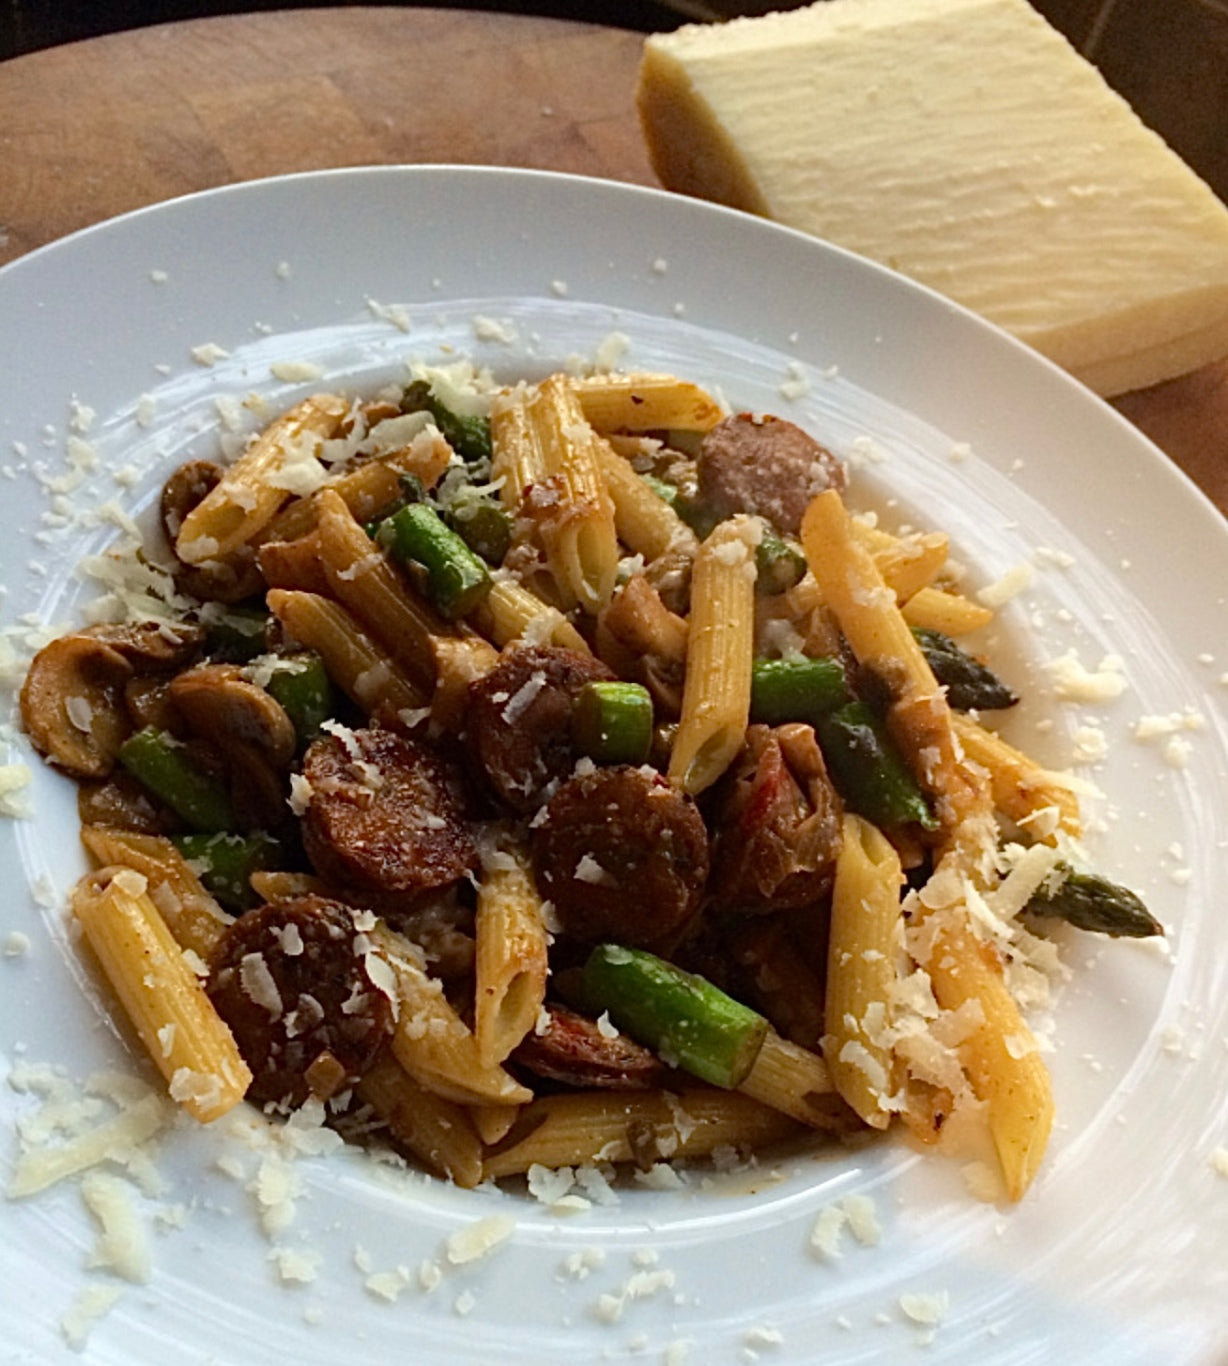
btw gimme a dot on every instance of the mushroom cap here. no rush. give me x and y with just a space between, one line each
222 706
72 703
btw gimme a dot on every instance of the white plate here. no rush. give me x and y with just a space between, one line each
1117 1255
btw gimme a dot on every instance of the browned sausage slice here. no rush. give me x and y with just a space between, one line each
577 1051
766 466
776 830
382 816
519 726
622 855
291 981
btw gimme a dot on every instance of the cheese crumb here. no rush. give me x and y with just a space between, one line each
479 1239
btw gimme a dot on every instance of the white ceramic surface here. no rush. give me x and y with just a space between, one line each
1118 1254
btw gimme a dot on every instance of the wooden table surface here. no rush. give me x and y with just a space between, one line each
93 129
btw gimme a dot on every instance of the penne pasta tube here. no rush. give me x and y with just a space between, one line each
188 1041
1019 787
510 967
583 1127
191 914
906 563
865 917
431 1041
935 609
438 1132
355 662
414 635
1000 1054
720 650
546 452
261 480
493 1122
367 489
793 1080
646 523
646 403
510 611
853 588
866 612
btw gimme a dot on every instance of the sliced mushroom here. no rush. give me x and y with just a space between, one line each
72 703
223 707
152 647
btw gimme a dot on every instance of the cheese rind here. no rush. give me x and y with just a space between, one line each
967 145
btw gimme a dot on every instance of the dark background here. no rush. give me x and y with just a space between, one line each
1169 58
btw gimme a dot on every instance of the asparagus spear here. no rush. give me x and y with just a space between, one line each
469 437
612 722
684 1018
225 863
779 564
867 769
797 689
457 579
1091 902
301 684
162 764
970 685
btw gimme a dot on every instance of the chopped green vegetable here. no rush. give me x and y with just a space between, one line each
301 684
485 526
1091 902
457 578
779 564
225 863
237 634
970 685
612 722
665 491
469 436
797 689
868 770
163 764
684 1018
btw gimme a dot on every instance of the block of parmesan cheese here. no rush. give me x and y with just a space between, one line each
965 144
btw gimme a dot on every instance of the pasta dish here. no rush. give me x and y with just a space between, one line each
562 773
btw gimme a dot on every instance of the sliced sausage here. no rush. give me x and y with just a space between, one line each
519 726
292 982
576 1051
383 815
766 466
622 855
776 826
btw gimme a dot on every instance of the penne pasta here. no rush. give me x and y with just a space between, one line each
645 522
861 972
369 488
431 1041
511 612
793 1080
1000 1054
935 609
646 403
580 1128
184 1035
416 638
438 1132
354 661
1020 787
263 478
191 914
720 648
510 967
546 454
